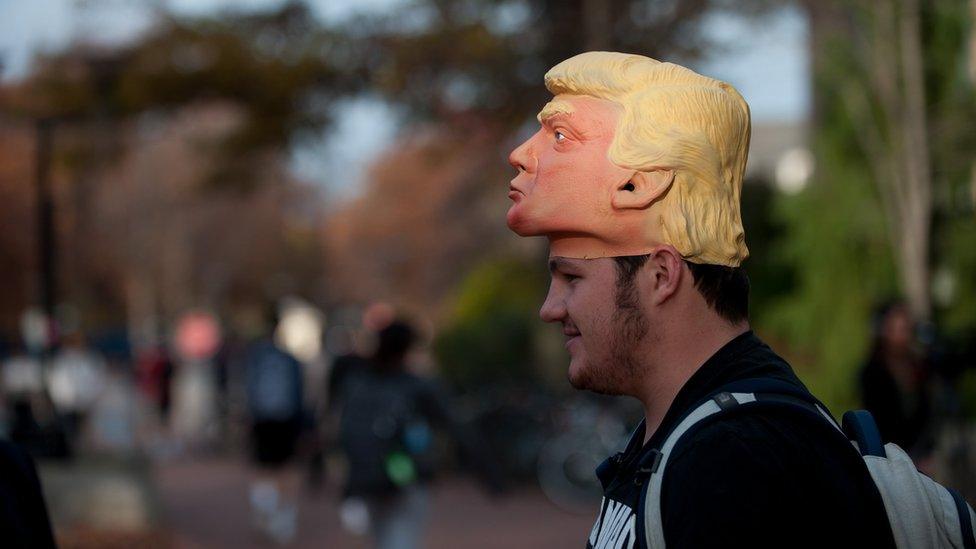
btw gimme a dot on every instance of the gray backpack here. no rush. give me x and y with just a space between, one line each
922 513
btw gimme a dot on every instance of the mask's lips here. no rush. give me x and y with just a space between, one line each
515 192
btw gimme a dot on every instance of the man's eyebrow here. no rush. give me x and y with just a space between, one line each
557 263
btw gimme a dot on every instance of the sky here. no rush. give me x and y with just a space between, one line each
29 26
765 60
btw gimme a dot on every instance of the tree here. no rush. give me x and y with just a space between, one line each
895 138
163 150
444 58
874 223
270 65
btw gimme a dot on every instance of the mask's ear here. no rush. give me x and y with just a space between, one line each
642 189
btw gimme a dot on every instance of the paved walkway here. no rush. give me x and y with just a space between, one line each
205 504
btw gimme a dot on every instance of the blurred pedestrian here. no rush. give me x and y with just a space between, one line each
194 415
275 408
387 415
24 522
155 371
21 376
341 346
348 358
896 380
75 379
30 417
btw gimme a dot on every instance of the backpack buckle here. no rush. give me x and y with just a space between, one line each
725 400
648 465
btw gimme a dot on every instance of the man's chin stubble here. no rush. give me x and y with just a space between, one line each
600 380
623 371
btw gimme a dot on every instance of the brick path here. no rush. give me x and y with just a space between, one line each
205 504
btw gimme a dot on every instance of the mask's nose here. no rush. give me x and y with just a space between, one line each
523 157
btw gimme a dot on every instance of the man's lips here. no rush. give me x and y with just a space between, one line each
514 193
571 336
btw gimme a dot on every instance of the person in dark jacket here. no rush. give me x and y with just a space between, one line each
896 382
386 424
24 522
276 412
634 177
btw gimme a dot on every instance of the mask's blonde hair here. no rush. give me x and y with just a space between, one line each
674 118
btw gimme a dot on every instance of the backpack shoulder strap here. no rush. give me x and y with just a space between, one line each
653 524
921 511
860 426
966 519
728 397
777 390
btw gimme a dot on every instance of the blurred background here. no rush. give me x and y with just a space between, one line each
173 170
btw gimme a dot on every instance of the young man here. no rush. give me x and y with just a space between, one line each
274 384
634 177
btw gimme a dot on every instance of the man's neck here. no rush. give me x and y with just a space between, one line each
676 360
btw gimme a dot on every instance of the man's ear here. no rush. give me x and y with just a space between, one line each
667 269
642 189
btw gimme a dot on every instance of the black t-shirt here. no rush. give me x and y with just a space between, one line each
759 478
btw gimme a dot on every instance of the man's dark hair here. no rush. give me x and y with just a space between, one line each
393 343
725 289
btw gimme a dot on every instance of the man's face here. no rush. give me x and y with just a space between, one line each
897 328
603 322
565 180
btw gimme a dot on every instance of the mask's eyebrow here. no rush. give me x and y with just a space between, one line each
554 108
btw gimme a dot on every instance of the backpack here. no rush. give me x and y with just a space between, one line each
383 433
922 513
274 384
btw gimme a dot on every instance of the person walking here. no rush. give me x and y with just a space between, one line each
896 382
387 416
275 408
24 519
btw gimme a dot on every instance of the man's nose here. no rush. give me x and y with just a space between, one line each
523 157
554 307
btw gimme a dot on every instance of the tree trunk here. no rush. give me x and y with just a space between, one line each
917 196
972 78
889 110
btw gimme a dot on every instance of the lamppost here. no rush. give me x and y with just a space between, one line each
47 240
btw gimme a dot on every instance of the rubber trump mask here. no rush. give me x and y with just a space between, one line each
633 153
